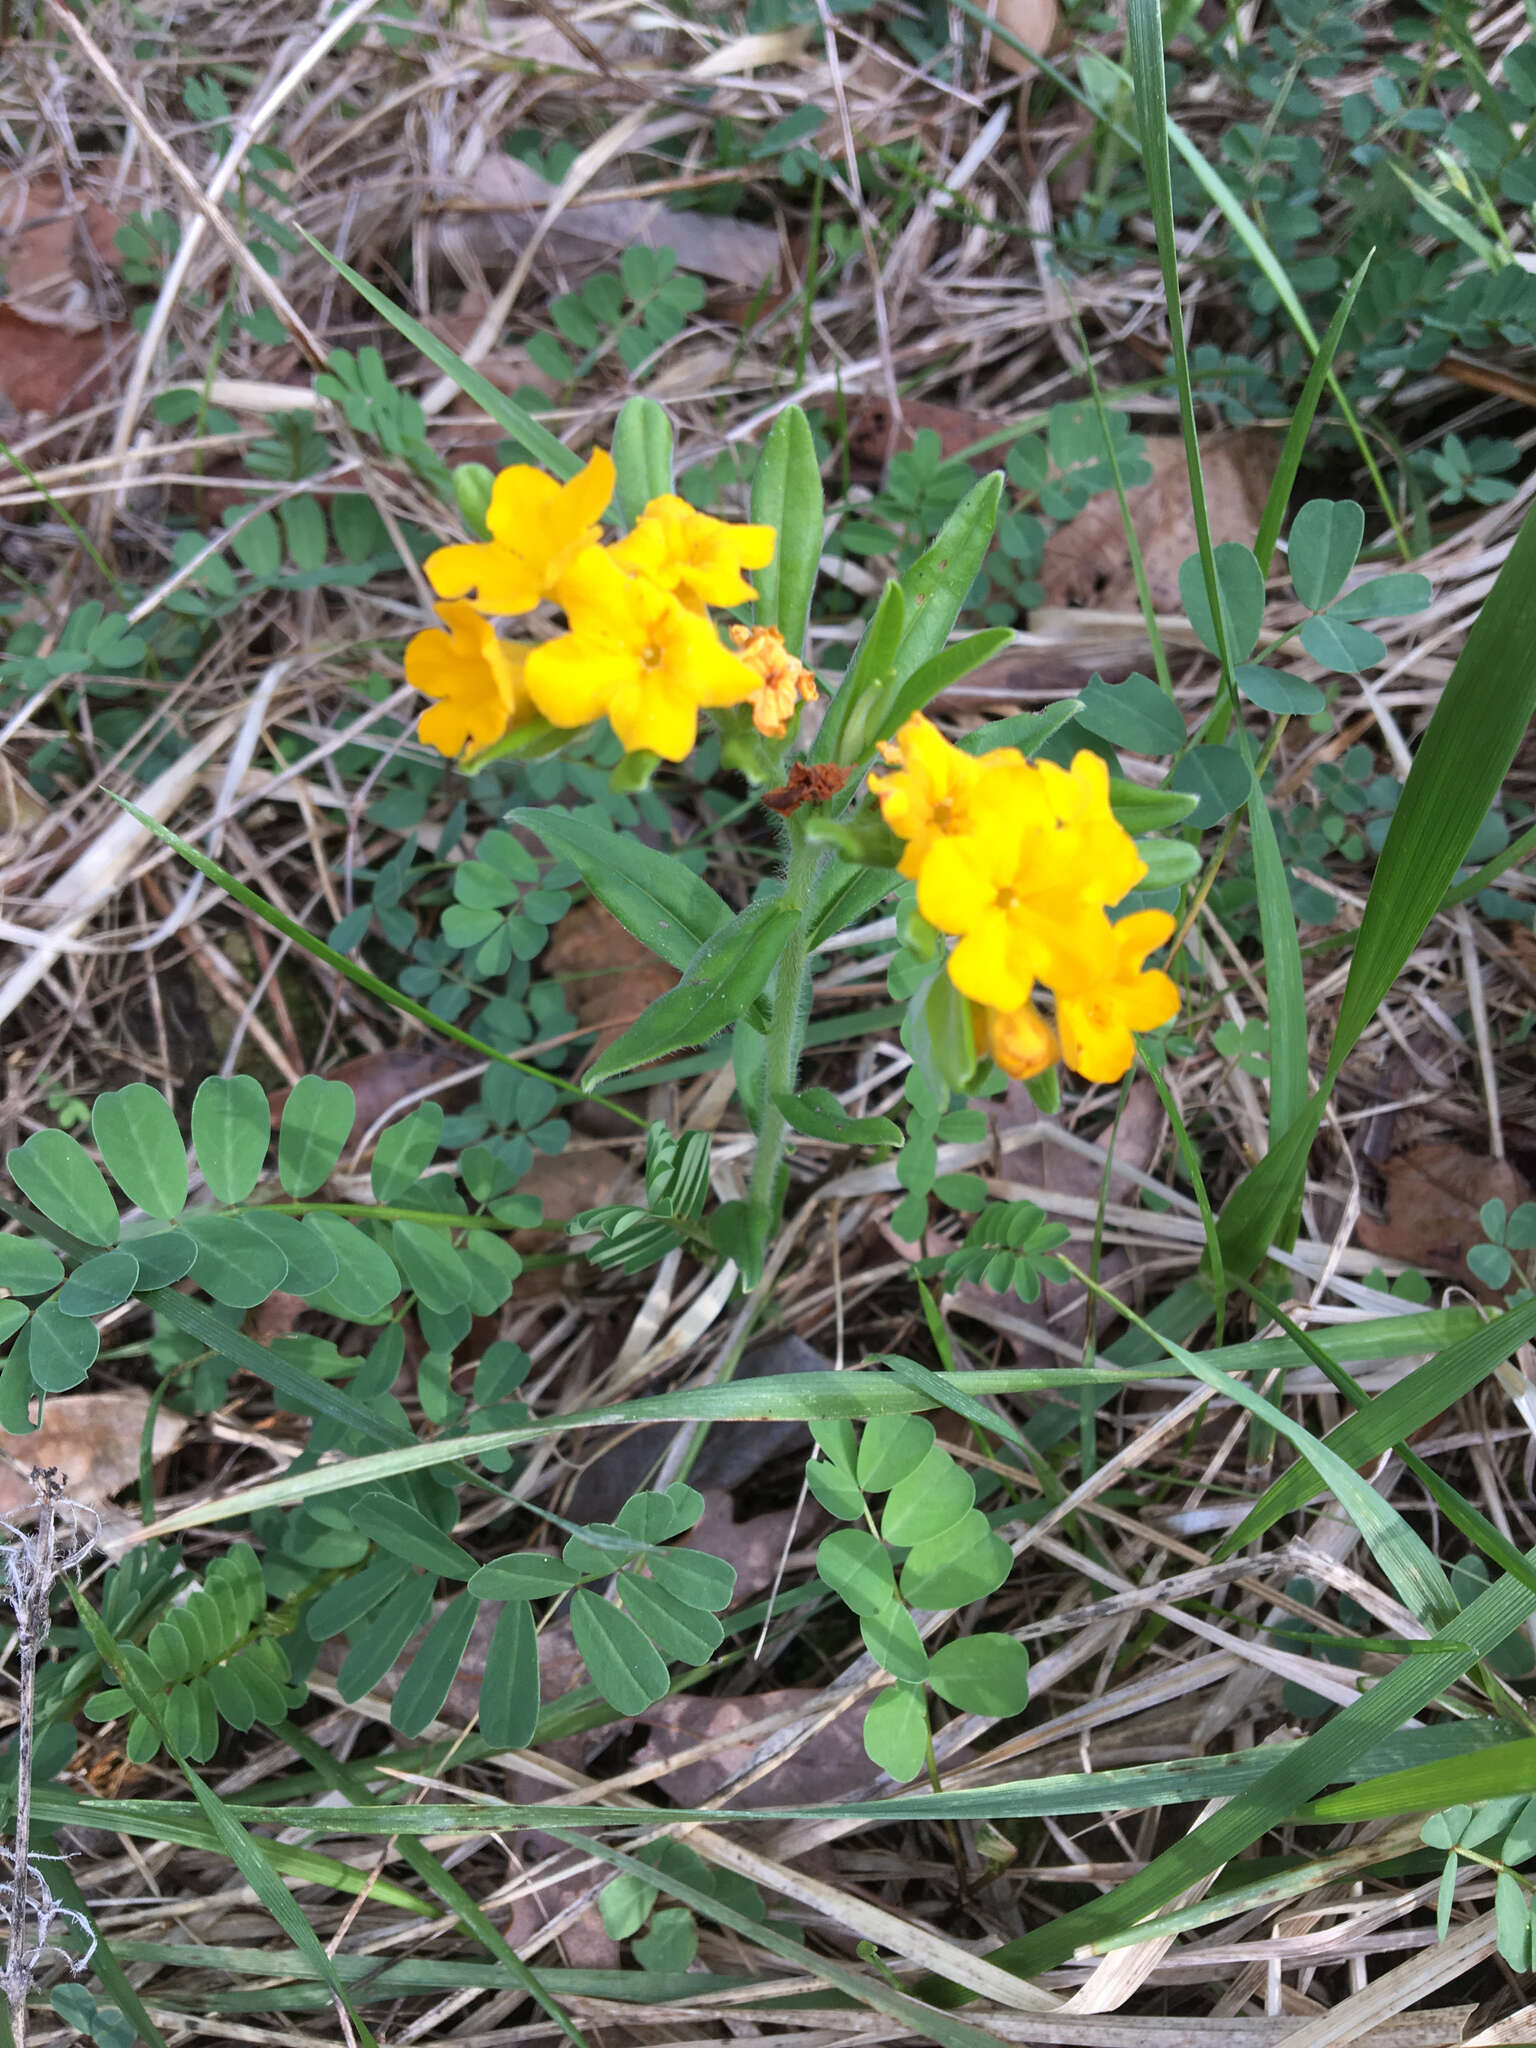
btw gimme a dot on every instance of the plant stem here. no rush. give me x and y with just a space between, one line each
785 1035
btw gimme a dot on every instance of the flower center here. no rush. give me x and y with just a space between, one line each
651 655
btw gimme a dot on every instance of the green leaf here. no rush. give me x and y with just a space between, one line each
59 1177
624 1665
405 1151
405 1532
381 1642
231 1129
642 456
509 1690
939 581
694 1576
896 1732
847 729
1169 862
1218 778
931 1497
317 1121
658 1517
1273 690
525 1575
141 1147
1324 544
1240 581
433 1667
313 1264
962 1563
1135 714
1335 644
13 1314
817 1113
835 1491
891 1638
671 1944
857 1567
786 495
1386 597
61 1349
891 1447
656 898
939 673
100 1284
432 1268
690 1634
723 980
625 1904
236 1263
165 1256
982 1674
366 1281
28 1266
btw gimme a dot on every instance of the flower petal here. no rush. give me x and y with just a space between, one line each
652 717
572 680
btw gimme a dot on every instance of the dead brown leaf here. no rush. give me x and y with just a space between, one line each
53 250
93 1439
609 976
50 371
827 1767
1086 562
1033 22
754 1547
869 432
498 214
1434 1195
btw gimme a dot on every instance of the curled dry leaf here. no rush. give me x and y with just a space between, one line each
1033 22
93 1439
1434 1199
1086 562
54 248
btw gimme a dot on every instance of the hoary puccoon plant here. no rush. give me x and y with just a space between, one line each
603 596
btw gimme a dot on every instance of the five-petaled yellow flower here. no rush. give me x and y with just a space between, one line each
698 558
1020 861
636 653
477 678
538 528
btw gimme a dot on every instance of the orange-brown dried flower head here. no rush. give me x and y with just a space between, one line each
786 679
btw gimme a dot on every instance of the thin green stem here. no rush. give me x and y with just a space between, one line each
781 1060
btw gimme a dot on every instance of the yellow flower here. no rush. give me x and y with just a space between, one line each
538 527
1021 1041
637 654
931 795
478 678
1094 842
698 558
1096 1021
785 679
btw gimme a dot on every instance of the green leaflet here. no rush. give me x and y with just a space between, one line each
938 582
817 1113
723 980
656 898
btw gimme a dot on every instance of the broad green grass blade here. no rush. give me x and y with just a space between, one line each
339 963
821 1396
1296 434
1456 774
506 412
1284 982
1393 1416
1501 1772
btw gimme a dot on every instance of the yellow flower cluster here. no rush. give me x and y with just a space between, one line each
641 649
1020 861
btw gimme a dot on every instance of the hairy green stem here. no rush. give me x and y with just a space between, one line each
785 1035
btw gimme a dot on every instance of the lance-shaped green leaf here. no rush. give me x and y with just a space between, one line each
657 899
642 456
405 1532
849 729
723 980
1026 730
317 1120
786 495
939 672
939 581
817 1113
431 1670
